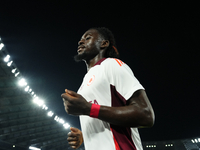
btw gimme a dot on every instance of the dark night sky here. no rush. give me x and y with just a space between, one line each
157 40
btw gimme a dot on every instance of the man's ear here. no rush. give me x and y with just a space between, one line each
104 44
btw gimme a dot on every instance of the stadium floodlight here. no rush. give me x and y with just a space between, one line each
199 139
45 107
9 63
22 82
196 140
26 88
66 125
192 141
38 101
13 70
34 148
6 59
16 74
50 113
32 93
56 118
29 90
13 145
61 121
1 46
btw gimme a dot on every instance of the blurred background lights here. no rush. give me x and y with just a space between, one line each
45 107
66 125
16 74
27 88
34 148
61 121
56 118
50 113
1 46
13 70
9 63
192 141
6 59
22 82
38 101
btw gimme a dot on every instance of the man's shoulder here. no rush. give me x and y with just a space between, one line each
113 62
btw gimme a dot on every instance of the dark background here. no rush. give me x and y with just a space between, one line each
158 40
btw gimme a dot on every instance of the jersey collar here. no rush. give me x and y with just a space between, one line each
100 61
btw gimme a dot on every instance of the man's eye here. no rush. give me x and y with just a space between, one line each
87 38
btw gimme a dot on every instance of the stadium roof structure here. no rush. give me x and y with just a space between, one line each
25 121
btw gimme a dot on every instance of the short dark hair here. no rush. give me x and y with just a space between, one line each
111 51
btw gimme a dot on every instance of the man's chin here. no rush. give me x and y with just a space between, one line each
79 57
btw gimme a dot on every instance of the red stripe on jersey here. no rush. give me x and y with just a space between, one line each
118 62
116 144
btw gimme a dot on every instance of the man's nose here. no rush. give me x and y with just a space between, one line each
81 42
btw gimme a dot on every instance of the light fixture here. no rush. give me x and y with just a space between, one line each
22 82
9 63
50 113
34 148
66 125
13 70
27 88
61 121
196 140
56 118
38 101
1 46
16 74
192 141
6 59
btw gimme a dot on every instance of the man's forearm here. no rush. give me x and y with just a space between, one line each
138 113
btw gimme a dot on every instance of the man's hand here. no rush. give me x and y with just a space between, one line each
75 138
75 104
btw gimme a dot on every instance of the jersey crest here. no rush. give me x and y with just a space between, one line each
91 80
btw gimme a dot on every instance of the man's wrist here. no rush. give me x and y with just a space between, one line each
94 111
88 108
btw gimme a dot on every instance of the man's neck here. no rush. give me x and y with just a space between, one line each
93 61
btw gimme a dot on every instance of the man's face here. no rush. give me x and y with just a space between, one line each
89 45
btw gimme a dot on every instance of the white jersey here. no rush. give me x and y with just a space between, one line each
110 83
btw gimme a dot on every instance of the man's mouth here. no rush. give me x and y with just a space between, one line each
80 49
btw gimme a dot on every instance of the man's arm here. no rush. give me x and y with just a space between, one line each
137 113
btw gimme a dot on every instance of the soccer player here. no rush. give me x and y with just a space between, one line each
111 102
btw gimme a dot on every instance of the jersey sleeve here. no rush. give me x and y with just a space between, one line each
121 76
